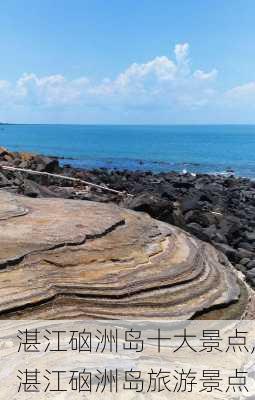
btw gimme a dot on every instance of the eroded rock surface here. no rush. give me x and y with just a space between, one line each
76 259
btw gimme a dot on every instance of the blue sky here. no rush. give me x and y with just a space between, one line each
146 61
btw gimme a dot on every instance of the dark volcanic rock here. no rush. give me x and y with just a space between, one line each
247 246
46 164
219 238
196 230
231 253
230 226
251 273
251 277
191 203
152 204
204 219
4 181
250 236
244 261
251 265
243 253
33 189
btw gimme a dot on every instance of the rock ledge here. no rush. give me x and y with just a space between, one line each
80 259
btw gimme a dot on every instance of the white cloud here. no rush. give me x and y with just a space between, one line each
162 68
49 90
245 91
205 76
181 51
4 84
161 83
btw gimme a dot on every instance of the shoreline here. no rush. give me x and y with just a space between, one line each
214 208
154 167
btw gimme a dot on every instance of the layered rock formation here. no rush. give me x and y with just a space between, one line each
76 259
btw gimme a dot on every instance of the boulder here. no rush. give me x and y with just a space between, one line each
228 251
3 152
4 181
230 227
251 275
80 259
45 164
250 236
167 191
247 246
243 253
33 189
244 261
241 268
204 219
24 156
219 238
190 203
250 264
8 157
150 203
206 234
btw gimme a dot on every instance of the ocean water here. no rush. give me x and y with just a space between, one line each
195 148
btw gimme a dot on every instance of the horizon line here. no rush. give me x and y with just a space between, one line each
126 124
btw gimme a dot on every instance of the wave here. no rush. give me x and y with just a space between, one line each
151 165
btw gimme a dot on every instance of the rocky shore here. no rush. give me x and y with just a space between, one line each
216 209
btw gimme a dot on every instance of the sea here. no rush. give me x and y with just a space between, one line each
213 149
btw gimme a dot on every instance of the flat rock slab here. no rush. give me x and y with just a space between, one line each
48 224
78 259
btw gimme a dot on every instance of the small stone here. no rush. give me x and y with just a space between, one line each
240 268
229 251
